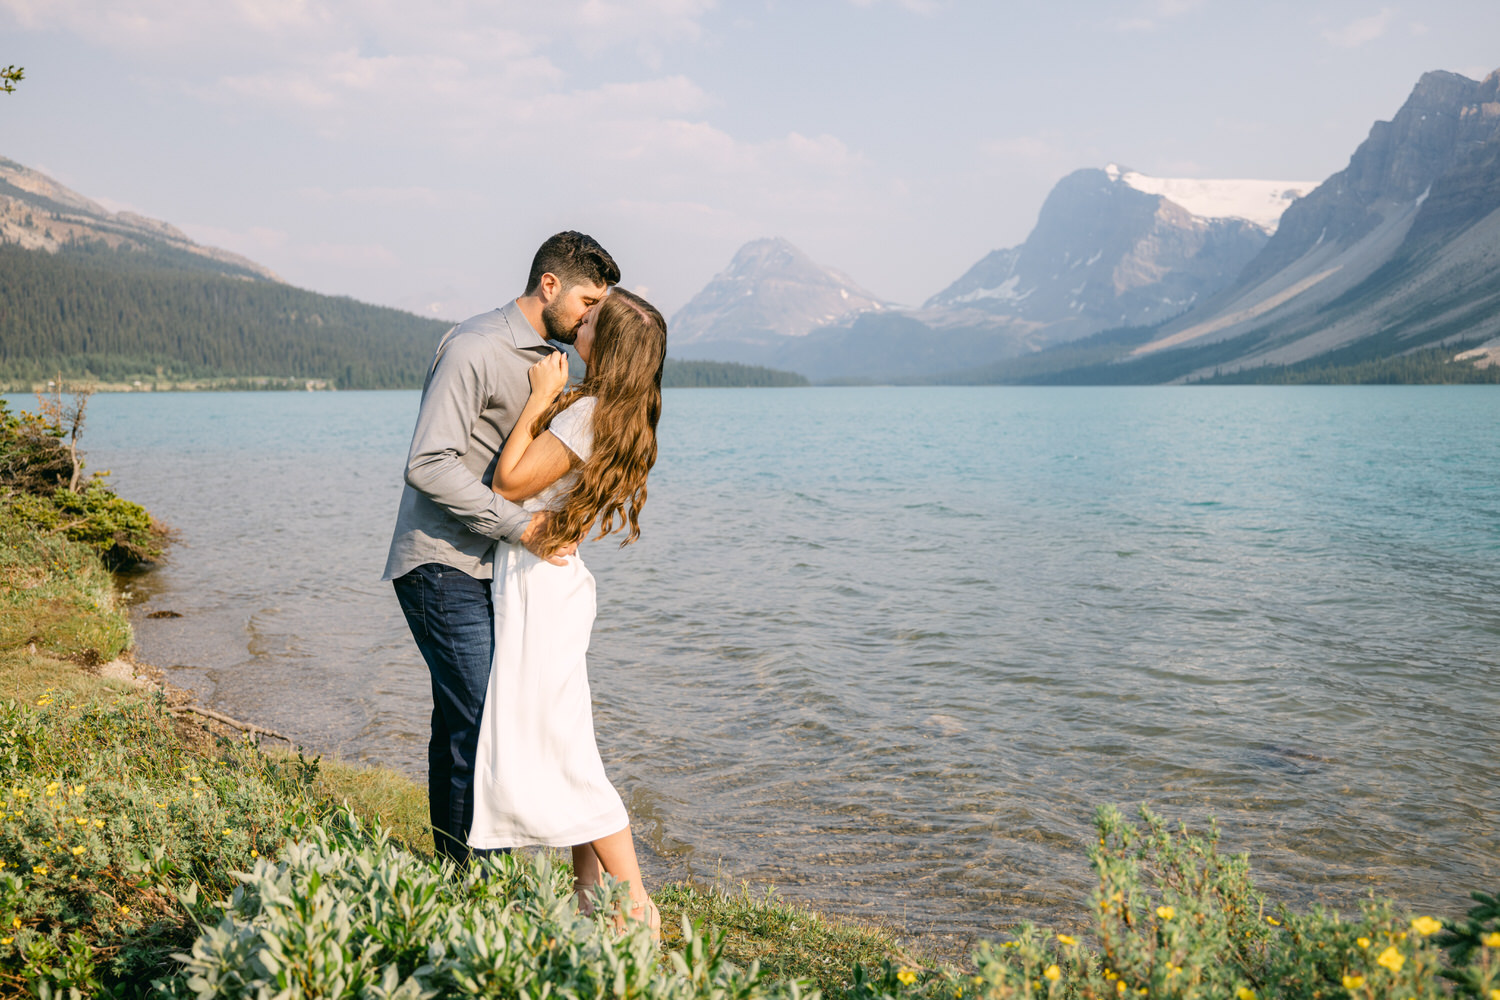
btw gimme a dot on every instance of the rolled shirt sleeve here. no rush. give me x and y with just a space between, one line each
456 394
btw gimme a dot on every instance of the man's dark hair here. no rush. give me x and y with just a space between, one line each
574 258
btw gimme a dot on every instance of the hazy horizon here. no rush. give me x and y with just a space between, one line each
415 158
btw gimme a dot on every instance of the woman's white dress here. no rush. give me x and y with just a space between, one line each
538 778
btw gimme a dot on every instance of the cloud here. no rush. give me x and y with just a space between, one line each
1361 30
914 6
1023 147
558 113
1149 16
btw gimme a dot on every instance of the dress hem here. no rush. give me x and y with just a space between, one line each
555 840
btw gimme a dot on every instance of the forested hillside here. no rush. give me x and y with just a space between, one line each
116 316
723 375
92 311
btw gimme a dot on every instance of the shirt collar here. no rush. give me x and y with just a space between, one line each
522 333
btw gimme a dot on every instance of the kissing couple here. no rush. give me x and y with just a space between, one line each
509 469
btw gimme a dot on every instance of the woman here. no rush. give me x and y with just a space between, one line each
583 454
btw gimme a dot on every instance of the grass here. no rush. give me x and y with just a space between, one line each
57 596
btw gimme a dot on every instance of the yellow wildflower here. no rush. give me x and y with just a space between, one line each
1066 939
1426 925
38 869
1363 942
82 821
124 908
1117 896
1273 921
15 922
1110 976
254 853
22 793
1491 940
226 833
52 788
79 850
99 824
6 940
1053 973
1391 959
1120 986
1494 994
76 790
1353 982
195 778
906 976
1245 993
1165 912
1173 970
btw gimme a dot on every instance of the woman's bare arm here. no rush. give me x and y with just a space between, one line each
529 465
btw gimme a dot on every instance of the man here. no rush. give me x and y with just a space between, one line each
442 553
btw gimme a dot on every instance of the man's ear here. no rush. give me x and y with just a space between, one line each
549 287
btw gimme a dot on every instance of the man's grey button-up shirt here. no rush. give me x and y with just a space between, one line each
474 392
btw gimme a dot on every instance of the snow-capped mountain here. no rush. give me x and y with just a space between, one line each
1116 247
770 293
1399 250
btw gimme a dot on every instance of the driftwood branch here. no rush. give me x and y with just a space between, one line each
243 727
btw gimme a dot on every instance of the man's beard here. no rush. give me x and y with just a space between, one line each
553 324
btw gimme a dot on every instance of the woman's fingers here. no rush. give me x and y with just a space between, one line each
549 375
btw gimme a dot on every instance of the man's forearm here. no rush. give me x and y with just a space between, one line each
443 479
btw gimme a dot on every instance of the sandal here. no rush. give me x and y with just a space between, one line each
651 918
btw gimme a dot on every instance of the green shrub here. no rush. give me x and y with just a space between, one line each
36 469
1173 918
346 913
121 531
106 818
32 456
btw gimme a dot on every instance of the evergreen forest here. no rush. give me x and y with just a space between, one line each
104 314
117 316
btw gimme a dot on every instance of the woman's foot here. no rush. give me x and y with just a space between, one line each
648 914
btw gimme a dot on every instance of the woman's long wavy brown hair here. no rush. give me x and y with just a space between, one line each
624 377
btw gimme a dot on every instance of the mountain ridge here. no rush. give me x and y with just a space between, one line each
1370 253
38 213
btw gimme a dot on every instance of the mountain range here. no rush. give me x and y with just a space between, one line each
95 295
1128 277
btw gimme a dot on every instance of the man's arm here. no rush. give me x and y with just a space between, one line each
455 397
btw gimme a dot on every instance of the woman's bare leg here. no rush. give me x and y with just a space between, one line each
616 853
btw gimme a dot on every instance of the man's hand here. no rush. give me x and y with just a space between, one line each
534 531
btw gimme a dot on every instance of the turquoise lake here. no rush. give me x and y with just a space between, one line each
886 649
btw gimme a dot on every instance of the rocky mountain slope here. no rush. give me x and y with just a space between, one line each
770 293
1398 251
1115 247
37 213
1111 248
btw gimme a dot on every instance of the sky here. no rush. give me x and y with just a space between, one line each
415 154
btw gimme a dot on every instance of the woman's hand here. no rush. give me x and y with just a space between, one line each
548 376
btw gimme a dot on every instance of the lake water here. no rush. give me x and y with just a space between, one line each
887 648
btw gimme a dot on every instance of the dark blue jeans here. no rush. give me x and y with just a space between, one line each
452 617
